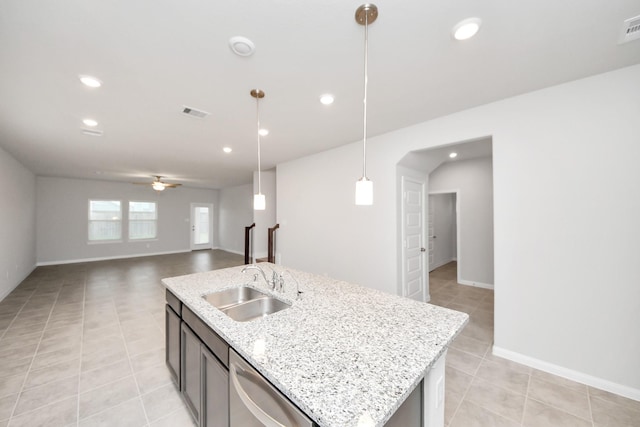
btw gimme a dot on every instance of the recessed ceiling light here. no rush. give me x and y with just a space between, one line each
241 46
327 99
263 132
466 28
90 81
453 155
227 149
90 122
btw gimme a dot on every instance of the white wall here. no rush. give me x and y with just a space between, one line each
236 213
443 207
321 229
17 223
267 218
562 157
62 219
474 181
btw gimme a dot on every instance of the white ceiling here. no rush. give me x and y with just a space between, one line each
155 56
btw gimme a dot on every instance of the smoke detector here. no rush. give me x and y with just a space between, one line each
200 114
630 30
241 46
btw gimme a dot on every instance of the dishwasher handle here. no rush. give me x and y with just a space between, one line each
252 406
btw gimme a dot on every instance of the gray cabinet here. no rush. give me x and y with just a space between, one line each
172 344
215 402
204 375
191 372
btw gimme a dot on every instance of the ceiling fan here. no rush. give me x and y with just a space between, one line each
157 184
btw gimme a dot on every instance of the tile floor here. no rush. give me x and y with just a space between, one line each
486 391
83 345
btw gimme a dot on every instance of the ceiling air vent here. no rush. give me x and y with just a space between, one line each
92 132
630 30
194 113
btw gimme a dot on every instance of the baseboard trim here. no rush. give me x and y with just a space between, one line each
74 261
233 251
257 255
440 264
475 284
8 291
619 389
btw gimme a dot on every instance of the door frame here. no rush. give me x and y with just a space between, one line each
458 256
192 245
425 264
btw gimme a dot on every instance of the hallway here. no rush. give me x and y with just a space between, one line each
483 390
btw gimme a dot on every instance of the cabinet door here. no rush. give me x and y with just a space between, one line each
215 392
172 344
190 370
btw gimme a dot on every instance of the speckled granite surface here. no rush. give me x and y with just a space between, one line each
342 352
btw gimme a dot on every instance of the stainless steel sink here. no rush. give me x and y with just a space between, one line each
255 309
234 296
243 303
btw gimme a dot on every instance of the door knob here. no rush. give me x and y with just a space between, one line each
423 250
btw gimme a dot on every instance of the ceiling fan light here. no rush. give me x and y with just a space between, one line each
364 192
158 186
259 202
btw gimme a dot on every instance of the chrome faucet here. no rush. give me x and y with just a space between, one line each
264 276
277 281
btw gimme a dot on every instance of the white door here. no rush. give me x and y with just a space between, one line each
414 280
201 226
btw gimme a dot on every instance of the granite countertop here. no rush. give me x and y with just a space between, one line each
343 353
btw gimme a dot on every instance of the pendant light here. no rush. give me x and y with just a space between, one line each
365 15
259 202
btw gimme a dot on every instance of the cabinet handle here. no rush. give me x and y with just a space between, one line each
252 406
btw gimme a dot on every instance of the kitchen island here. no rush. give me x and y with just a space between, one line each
344 354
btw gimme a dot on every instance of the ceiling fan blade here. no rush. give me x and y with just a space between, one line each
171 185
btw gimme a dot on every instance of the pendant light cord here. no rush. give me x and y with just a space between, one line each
366 81
258 119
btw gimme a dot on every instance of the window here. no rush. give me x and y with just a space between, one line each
105 220
143 220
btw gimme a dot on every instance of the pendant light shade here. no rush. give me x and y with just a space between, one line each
259 201
365 15
364 191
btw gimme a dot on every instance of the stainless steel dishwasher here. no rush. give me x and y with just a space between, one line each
254 402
